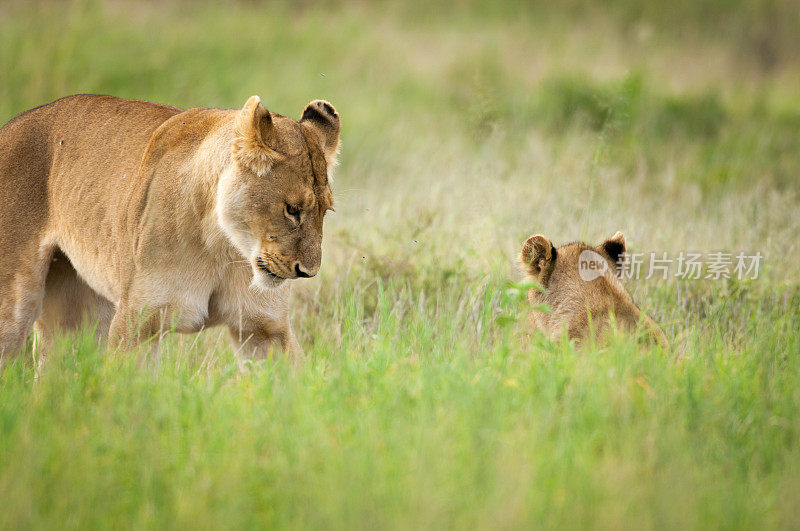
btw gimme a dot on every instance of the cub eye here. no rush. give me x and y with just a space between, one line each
293 212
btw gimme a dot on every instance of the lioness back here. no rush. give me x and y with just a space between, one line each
85 151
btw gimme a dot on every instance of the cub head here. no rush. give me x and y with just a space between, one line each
582 288
272 198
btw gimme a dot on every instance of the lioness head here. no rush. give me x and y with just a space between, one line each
271 201
582 288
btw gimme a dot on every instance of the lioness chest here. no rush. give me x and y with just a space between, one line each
197 294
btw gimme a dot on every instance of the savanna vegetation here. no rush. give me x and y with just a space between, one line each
424 401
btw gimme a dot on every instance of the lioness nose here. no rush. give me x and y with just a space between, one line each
301 272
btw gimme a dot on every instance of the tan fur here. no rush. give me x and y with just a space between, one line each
144 217
580 307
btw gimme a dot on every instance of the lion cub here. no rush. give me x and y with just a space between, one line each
582 289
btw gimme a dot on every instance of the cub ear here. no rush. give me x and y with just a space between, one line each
253 133
323 119
537 255
614 247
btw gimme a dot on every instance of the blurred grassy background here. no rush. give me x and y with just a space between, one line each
467 126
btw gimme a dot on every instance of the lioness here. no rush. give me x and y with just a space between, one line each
147 217
582 289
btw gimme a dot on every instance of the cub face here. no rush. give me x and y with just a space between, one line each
582 289
272 199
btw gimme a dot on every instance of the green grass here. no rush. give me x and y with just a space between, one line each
424 401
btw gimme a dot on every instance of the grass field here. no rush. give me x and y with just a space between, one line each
424 402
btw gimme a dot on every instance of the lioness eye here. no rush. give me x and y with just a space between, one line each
293 211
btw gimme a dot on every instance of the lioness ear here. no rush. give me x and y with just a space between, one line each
323 119
614 246
253 132
537 255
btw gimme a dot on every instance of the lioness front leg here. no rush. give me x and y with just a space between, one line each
130 328
259 343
